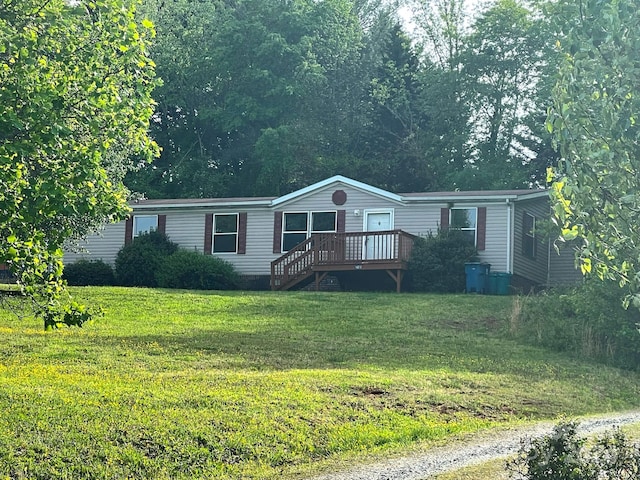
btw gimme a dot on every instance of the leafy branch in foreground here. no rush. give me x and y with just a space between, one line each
75 103
596 123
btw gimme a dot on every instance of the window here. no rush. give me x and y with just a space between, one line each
529 235
144 224
298 226
323 222
465 220
225 233
294 230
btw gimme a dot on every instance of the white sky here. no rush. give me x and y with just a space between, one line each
405 11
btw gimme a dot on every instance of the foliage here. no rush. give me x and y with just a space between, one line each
74 105
588 321
255 95
437 262
229 385
502 61
195 271
89 272
556 456
138 262
595 122
261 97
562 455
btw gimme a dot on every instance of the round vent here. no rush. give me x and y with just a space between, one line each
339 197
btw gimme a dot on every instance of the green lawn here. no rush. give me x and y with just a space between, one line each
173 384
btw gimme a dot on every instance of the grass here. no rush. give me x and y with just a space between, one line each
172 384
494 470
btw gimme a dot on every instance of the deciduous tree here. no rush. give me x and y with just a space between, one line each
502 63
75 86
595 121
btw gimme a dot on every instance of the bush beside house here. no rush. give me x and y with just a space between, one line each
89 272
194 271
153 260
437 262
138 262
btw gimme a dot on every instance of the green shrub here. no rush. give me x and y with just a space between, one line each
138 262
588 320
89 272
437 262
192 270
562 456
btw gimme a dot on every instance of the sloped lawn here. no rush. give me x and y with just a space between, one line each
173 384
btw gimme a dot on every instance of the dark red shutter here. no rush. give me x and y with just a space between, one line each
341 221
128 230
208 233
482 227
242 233
277 232
444 218
162 223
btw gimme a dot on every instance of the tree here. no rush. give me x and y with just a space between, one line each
595 121
397 122
442 27
502 63
255 96
75 86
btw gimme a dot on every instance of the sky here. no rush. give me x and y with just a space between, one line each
406 11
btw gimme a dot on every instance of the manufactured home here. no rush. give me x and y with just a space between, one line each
340 225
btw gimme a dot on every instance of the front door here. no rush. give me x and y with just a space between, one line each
378 247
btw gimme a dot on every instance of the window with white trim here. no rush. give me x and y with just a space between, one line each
225 233
144 224
298 226
529 235
465 220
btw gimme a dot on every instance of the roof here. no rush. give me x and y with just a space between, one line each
336 180
477 195
202 202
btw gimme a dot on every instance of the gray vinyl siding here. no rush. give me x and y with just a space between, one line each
563 270
187 230
185 225
534 269
356 200
416 218
421 220
257 260
496 241
100 246
424 218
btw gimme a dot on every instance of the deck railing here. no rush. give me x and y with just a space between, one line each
326 250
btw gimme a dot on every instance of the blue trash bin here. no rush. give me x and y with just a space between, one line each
476 274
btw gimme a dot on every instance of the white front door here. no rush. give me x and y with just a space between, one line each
378 247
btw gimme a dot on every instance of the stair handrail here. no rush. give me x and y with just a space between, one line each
296 255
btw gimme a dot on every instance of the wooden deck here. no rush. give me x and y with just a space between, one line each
324 253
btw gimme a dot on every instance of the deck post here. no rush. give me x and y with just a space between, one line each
397 277
273 276
319 277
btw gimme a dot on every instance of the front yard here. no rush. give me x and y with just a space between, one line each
172 384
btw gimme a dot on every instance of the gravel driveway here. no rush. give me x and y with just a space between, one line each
489 447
